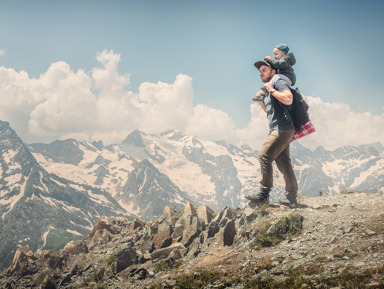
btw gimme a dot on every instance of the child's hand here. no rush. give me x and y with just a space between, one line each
267 57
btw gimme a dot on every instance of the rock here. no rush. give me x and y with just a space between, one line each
164 234
213 229
279 227
224 215
370 232
125 258
166 242
48 283
205 213
76 248
147 247
67 277
249 214
163 253
192 231
23 262
136 224
101 234
168 218
229 233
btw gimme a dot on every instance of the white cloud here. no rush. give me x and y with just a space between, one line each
62 103
2 52
337 125
210 124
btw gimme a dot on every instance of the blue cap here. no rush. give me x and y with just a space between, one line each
282 47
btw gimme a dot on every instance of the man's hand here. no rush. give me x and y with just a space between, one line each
267 57
268 86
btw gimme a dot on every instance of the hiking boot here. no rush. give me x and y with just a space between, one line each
259 98
288 202
261 197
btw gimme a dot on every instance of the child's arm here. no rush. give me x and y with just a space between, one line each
284 62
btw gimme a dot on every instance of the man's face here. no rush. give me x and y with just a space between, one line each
266 73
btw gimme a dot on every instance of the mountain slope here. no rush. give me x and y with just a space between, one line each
138 186
40 209
218 173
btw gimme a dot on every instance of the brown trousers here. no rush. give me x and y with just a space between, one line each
276 148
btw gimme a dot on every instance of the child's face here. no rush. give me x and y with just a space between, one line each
278 53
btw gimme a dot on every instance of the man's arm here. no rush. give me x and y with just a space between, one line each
285 97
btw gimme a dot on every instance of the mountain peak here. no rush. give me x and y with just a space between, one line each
135 138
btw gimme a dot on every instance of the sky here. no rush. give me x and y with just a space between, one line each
98 69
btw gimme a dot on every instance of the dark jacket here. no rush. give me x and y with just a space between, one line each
284 66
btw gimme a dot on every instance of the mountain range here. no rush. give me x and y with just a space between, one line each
53 193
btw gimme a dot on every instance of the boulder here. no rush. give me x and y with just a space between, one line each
136 224
213 229
205 213
101 234
229 233
125 258
75 248
192 231
168 218
165 252
23 262
147 247
164 234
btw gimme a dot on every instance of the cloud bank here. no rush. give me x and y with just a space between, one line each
98 105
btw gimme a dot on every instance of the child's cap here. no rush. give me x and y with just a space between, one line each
282 47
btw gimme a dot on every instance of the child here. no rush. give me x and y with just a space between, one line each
282 62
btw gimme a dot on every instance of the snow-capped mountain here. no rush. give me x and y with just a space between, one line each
216 174
358 168
138 186
53 193
40 209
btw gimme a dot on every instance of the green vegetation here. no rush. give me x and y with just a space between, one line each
197 280
99 274
304 276
284 227
111 263
168 264
377 225
57 239
296 279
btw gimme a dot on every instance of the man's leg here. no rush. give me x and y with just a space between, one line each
275 143
283 162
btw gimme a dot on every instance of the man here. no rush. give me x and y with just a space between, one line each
277 105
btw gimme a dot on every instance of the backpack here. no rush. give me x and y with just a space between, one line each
299 110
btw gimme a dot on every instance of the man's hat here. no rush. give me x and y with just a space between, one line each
258 64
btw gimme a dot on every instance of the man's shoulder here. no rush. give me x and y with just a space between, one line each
281 85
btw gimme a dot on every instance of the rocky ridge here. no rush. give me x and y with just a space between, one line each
331 241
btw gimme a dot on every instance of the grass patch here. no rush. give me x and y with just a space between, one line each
274 232
377 224
57 239
296 279
197 280
166 265
111 263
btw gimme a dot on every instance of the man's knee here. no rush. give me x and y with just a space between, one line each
264 158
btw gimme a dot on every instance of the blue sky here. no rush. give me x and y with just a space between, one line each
337 45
